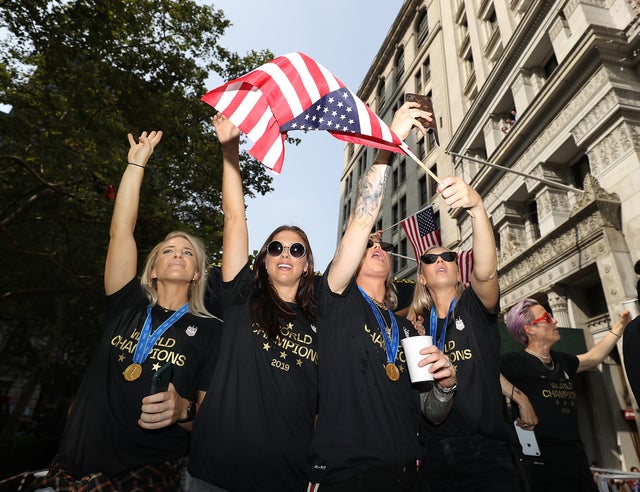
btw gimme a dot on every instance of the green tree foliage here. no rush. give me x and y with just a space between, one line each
78 76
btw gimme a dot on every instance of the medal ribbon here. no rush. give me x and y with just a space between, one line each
147 339
433 325
391 346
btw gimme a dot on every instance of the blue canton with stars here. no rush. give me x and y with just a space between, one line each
426 222
334 112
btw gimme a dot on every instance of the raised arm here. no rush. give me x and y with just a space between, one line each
235 241
368 202
122 255
600 350
484 277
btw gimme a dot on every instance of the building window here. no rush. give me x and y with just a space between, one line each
399 64
394 213
402 208
418 82
394 179
550 65
431 141
362 165
422 27
433 184
402 261
381 94
378 225
493 21
402 171
424 190
426 69
579 171
421 149
531 224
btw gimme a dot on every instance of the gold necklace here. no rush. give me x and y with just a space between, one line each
380 305
541 358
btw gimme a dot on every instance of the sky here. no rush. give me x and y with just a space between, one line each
342 35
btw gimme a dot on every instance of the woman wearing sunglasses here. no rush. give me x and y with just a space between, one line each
366 436
254 431
472 448
545 376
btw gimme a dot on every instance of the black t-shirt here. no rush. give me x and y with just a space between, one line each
473 345
102 432
255 425
550 392
631 349
365 419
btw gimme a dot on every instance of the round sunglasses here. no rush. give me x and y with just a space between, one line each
296 250
429 258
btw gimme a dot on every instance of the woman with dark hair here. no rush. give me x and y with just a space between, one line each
545 376
118 436
254 429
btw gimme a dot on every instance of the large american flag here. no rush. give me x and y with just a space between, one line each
423 234
294 92
422 231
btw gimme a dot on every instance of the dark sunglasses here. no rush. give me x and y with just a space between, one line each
546 317
383 246
296 250
429 258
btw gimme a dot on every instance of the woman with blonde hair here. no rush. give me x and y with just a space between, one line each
118 436
472 449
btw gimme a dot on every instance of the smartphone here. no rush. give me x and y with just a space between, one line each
527 440
161 378
425 105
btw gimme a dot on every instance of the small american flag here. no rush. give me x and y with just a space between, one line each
465 265
421 230
294 92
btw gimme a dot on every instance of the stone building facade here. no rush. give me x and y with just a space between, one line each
549 89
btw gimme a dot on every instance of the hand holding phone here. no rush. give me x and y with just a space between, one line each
425 105
527 440
161 378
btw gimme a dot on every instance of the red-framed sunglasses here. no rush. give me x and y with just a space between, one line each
546 317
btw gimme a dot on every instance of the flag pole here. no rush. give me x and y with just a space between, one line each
519 173
422 165
403 256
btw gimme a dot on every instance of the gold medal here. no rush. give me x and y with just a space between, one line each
132 372
392 371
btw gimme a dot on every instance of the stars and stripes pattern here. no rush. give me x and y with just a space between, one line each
422 231
294 92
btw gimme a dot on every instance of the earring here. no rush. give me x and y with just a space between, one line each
305 273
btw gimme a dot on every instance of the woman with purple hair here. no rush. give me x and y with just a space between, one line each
545 376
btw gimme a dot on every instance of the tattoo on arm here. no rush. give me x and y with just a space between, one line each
370 193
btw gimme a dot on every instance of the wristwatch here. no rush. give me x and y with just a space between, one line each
191 413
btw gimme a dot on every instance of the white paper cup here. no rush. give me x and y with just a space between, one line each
632 306
412 347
